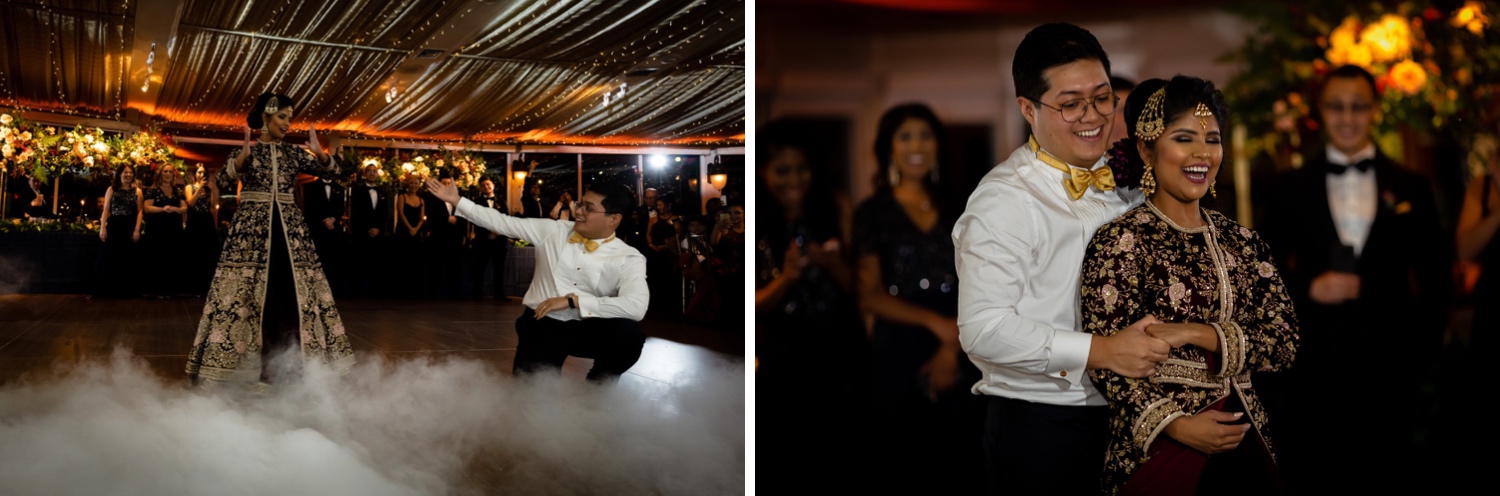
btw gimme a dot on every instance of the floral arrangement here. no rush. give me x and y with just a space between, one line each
395 166
45 153
1436 66
8 226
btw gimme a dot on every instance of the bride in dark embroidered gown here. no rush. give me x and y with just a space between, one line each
1197 425
269 292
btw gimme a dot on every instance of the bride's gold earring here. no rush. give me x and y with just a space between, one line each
1148 181
1211 191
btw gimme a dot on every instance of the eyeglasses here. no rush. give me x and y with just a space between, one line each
1340 107
584 208
1074 110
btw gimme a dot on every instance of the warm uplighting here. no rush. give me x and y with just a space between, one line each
520 175
718 180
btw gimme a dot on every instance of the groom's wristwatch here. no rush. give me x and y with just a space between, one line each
571 303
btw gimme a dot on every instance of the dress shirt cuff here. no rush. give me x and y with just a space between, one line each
1070 355
588 305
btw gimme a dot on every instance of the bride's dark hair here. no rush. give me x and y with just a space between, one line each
1183 95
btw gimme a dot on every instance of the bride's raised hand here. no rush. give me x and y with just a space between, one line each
312 143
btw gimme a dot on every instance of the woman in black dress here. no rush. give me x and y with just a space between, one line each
810 349
162 239
202 233
661 261
119 229
907 279
408 244
729 268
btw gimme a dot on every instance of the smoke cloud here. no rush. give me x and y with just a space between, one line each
391 427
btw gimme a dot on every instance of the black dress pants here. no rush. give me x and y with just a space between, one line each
1037 448
614 344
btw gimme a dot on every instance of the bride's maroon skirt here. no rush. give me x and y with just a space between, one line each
1176 469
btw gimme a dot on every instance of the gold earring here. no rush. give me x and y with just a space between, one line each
1211 191
1148 181
894 176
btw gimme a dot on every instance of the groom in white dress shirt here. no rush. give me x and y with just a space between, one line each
1020 245
588 293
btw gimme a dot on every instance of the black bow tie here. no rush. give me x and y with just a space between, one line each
1363 165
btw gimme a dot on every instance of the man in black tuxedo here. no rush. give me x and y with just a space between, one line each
487 252
447 235
369 214
323 207
532 204
1367 259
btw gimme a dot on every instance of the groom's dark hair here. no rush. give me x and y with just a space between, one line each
1048 46
617 198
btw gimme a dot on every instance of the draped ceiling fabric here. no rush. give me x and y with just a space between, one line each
518 71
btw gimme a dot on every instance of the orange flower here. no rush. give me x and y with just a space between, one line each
1472 17
1387 40
1408 76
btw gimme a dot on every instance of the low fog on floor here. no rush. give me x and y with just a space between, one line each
411 426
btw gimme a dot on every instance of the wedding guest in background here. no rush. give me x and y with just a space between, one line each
202 232
1368 262
323 206
489 247
1477 225
369 216
532 203
907 280
120 230
661 261
447 234
694 262
729 269
161 236
562 209
408 243
808 338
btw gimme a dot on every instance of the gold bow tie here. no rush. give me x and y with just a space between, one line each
1078 179
588 244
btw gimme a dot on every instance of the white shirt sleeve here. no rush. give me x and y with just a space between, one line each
997 246
534 230
633 296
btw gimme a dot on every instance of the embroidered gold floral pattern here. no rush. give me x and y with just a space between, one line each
1215 275
227 345
1127 241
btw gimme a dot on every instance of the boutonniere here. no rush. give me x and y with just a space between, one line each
1395 204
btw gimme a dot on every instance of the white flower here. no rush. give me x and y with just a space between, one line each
89 160
5 119
26 136
7 150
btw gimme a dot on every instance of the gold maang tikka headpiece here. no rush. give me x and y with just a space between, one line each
273 105
1150 125
1203 113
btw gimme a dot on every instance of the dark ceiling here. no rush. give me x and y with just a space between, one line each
584 72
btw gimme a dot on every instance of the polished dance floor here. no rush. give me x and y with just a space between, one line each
93 400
